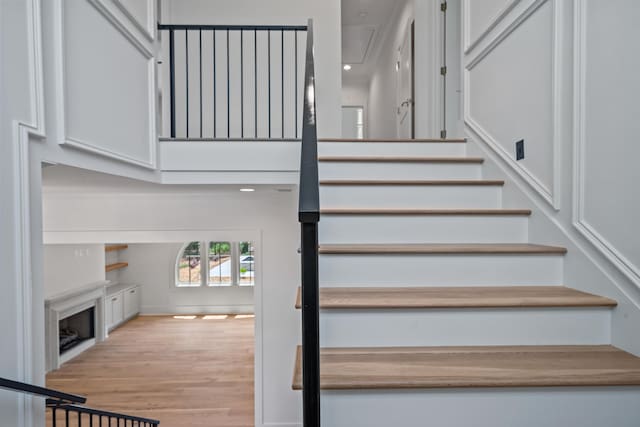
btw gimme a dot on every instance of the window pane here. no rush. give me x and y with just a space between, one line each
189 266
247 270
219 264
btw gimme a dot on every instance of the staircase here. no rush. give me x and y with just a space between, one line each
437 310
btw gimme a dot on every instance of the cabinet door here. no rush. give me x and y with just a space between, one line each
117 309
131 302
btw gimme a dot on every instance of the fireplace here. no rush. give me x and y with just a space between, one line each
76 329
74 322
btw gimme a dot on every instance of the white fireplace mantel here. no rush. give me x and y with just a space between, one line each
61 306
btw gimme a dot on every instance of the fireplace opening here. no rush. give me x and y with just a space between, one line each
76 329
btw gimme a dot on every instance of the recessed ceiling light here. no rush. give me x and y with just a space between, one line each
247 190
346 67
362 14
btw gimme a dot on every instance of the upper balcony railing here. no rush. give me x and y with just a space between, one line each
232 82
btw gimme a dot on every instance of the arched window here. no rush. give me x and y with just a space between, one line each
227 264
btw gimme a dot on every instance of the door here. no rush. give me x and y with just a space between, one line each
405 82
131 302
352 122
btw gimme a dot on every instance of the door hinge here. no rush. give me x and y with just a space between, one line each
443 71
443 134
443 6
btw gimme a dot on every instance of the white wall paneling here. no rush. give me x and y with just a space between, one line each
141 13
105 84
21 124
479 21
512 93
605 195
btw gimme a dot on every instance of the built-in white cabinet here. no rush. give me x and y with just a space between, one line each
122 303
131 302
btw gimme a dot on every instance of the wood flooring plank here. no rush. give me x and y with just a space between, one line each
417 211
442 248
392 140
455 297
400 159
182 372
472 367
414 182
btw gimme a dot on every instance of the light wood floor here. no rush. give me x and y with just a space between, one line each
182 372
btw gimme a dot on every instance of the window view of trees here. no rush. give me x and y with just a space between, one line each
219 263
189 266
228 264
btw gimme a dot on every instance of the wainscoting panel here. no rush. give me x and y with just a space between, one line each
141 13
606 130
106 79
511 95
481 17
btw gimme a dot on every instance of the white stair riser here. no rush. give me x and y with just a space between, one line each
463 327
384 170
440 270
390 149
422 229
410 196
508 407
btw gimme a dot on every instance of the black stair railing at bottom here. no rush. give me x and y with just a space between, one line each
95 417
68 404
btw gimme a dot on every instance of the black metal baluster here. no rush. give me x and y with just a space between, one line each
255 81
214 84
90 420
53 416
228 91
269 76
79 419
172 82
66 417
282 77
200 56
241 84
186 47
295 121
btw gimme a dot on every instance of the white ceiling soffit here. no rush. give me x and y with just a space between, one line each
356 41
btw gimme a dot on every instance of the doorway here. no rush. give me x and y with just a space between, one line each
405 99
353 122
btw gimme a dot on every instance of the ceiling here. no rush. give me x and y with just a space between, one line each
364 24
65 179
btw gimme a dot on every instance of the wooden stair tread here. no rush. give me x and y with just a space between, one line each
400 159
392 140
456 297
448 182
492 366
452 212
441 248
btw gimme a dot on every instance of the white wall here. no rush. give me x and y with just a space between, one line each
152 266
540 70
266 217
68 267
18 115
326 16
